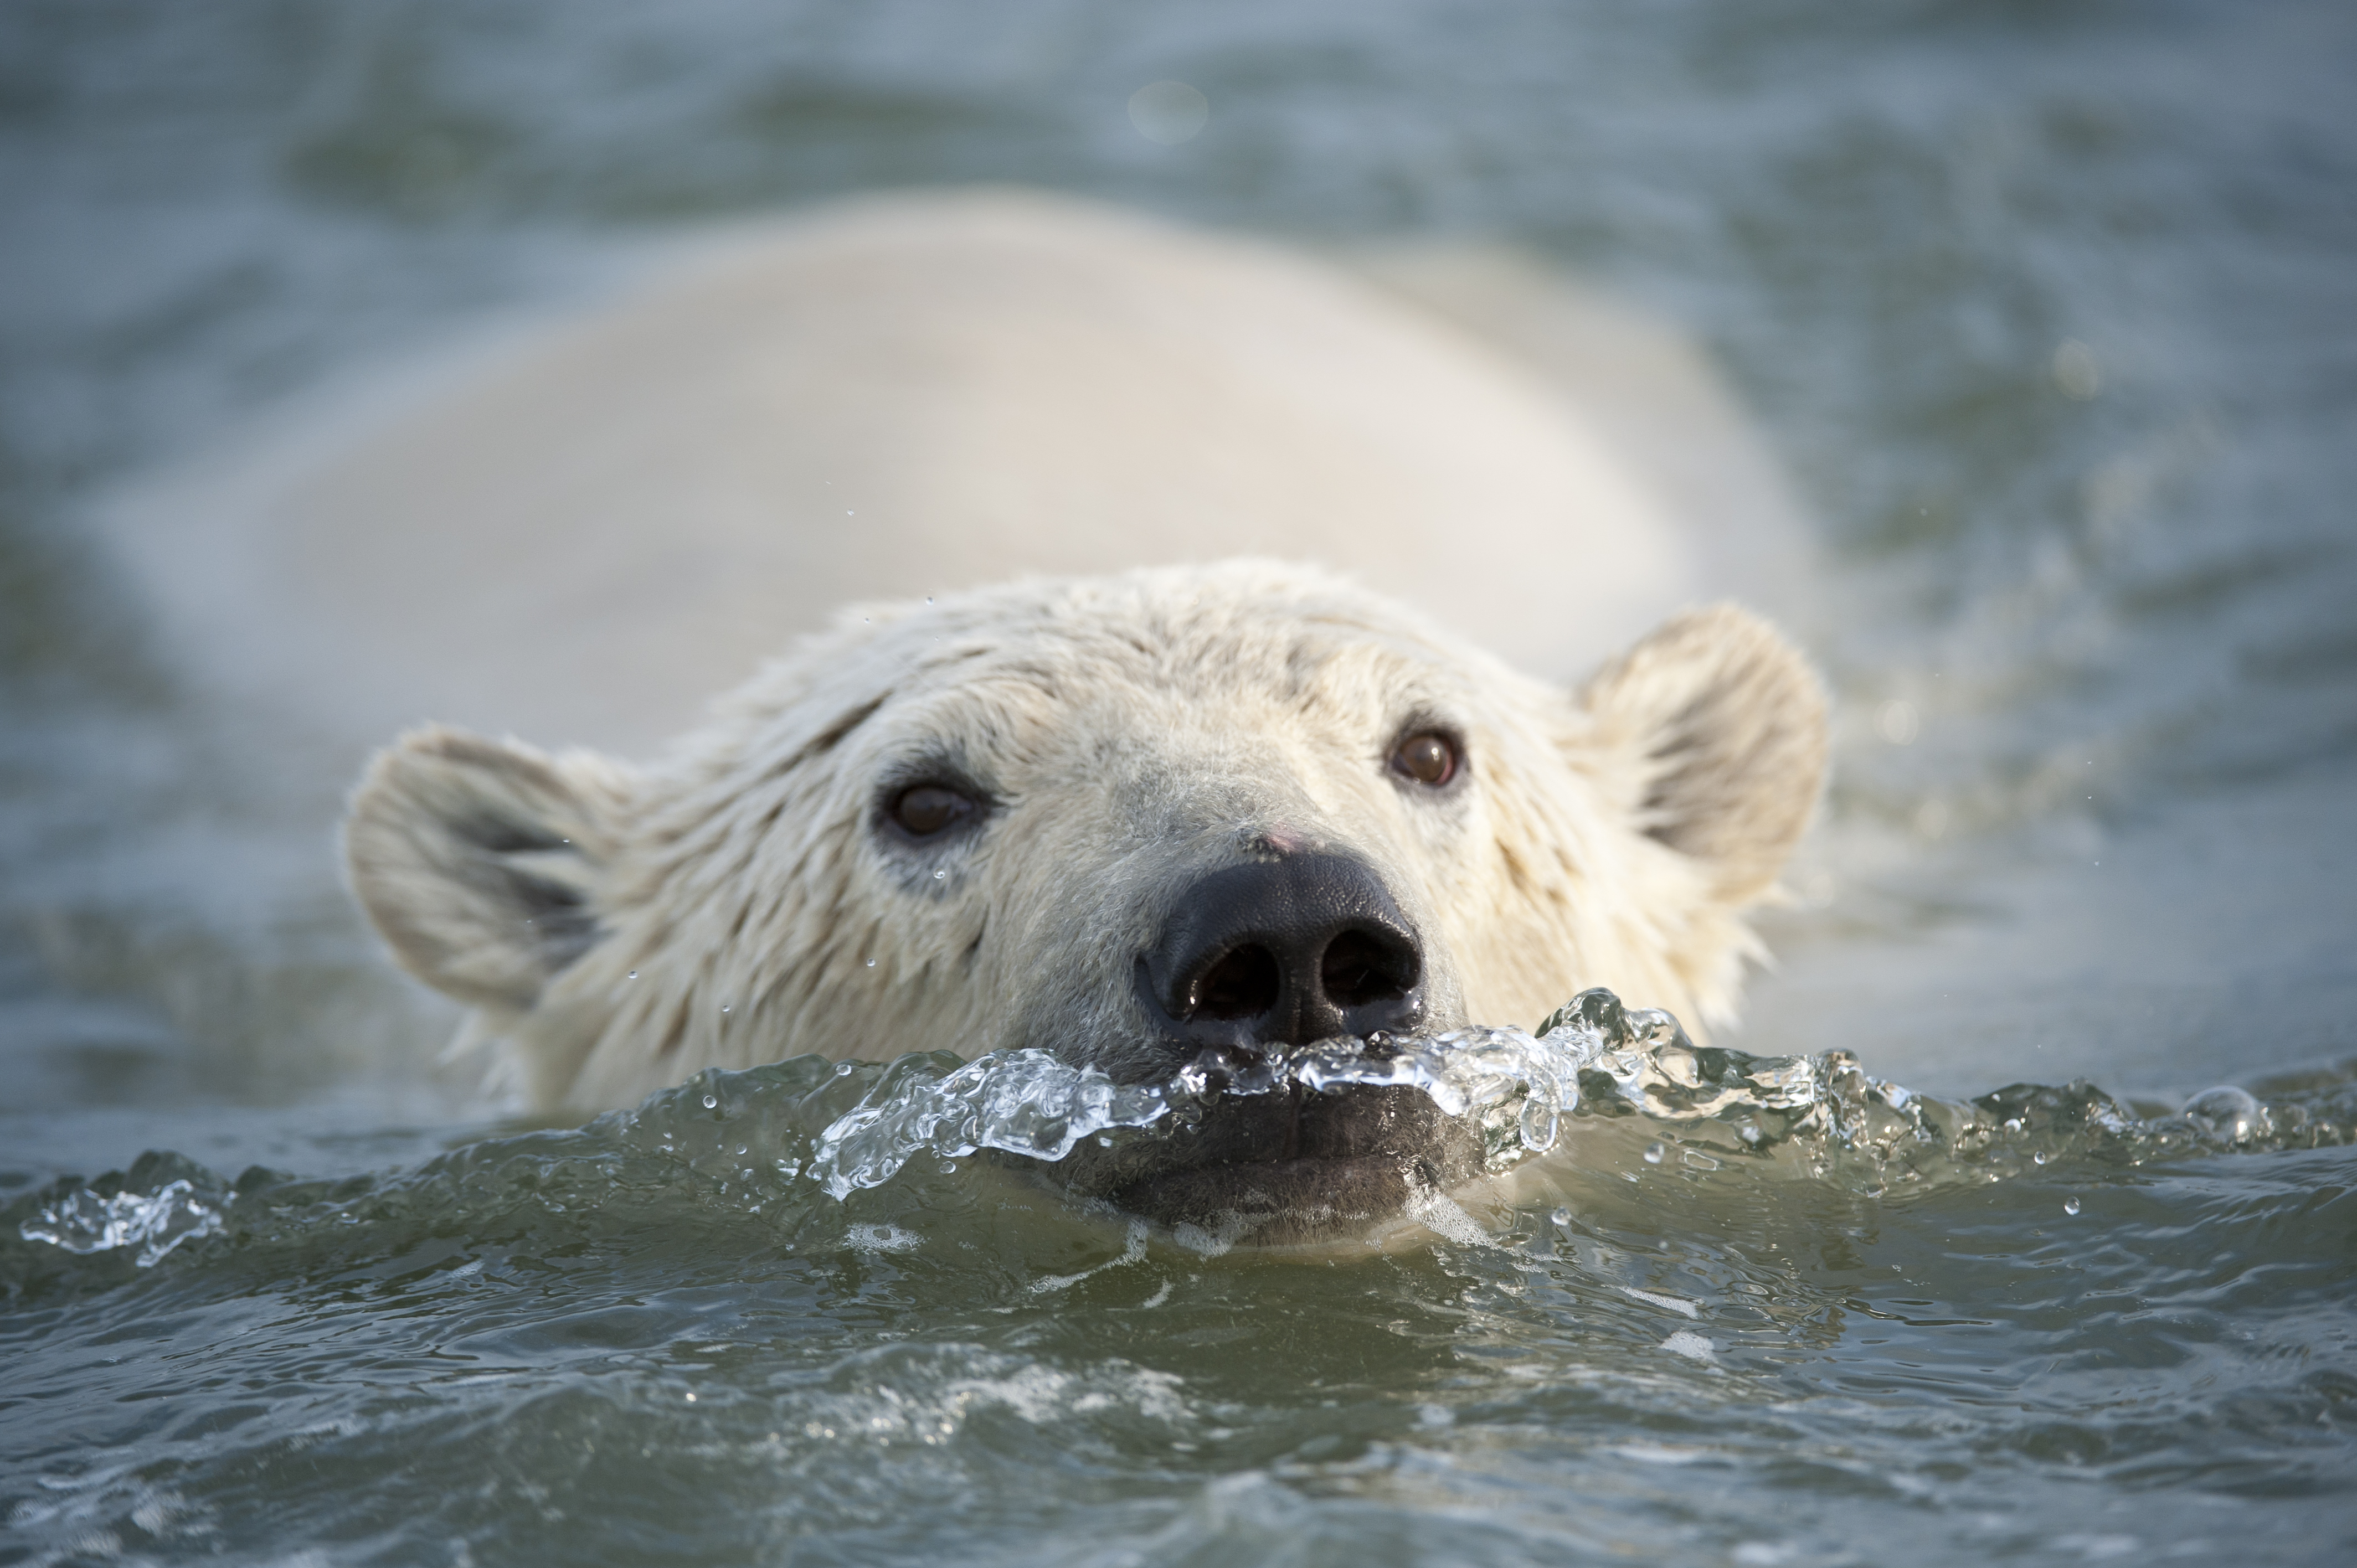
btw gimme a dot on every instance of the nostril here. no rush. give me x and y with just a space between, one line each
1244 984
1360 968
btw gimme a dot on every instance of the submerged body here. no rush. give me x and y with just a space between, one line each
584 530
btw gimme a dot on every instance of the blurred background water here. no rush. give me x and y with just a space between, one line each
2047 307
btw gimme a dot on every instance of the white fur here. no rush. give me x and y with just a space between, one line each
1132 732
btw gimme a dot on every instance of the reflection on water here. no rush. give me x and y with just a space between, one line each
2048 306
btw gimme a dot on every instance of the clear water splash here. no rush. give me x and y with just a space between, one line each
771 1141
1025 1102
154 1211
1590 1058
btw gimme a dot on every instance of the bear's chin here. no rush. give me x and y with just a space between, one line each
1285 1168
1279 1203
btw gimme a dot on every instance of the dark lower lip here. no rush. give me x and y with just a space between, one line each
1278 1201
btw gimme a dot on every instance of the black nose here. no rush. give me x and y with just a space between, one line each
1287 951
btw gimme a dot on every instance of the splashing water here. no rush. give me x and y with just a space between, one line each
153 1210
809 1126
1025 1102
1591 1057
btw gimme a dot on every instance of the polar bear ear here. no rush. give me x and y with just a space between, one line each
1718 729
477 860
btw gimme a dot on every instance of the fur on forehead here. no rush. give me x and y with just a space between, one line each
973 669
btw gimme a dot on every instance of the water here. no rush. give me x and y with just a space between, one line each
2046 307
758 1287
1821 1115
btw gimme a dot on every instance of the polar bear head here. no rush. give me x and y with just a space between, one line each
1123 819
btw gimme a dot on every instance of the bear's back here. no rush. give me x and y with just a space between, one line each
587 534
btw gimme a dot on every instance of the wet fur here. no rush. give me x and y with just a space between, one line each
625 929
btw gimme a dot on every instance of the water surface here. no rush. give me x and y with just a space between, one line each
2047 306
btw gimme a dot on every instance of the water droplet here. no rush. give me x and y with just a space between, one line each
691 1399
929 598
1653 1153
711 1102
871 964
1561 1217
2070 1206
2077 372
940 876
724 1007
2233 1115
1168 113
634 974
2039 1158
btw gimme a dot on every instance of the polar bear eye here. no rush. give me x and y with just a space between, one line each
1428 757
928 809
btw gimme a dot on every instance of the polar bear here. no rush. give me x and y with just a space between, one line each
1051 813
1123 819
